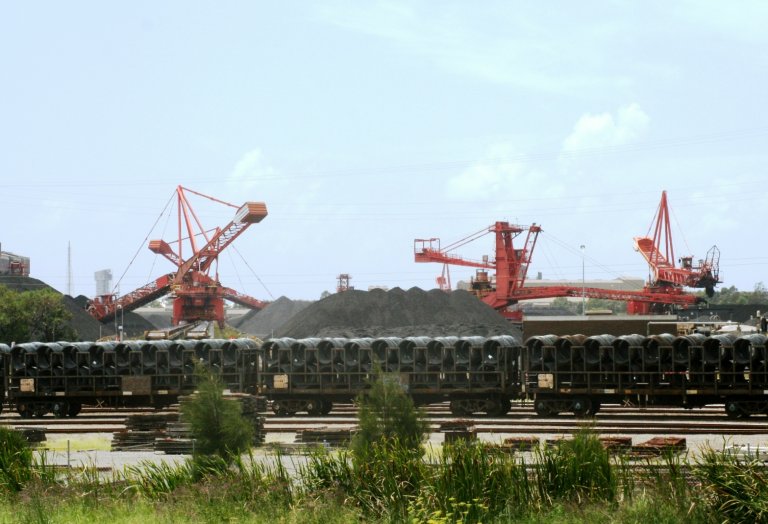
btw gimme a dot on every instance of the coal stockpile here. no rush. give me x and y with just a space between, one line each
399 313
265 322
87 327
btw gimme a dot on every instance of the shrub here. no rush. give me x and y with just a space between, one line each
735 487
217 424
387 415
16 460
578 469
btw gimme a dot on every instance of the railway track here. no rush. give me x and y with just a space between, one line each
611 420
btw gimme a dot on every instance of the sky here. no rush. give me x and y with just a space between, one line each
366 125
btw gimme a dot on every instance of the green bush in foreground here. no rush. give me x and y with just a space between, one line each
16 460
217 423
735 487
577 469
387 415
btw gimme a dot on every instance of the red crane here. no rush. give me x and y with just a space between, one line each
198 295
510 264
506 286
659 252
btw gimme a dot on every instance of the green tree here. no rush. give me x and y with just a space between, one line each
387 415
617 306
217 423
34 315
48 317
759 295
571 307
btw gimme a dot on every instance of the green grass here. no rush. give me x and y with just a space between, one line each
87 442
575 481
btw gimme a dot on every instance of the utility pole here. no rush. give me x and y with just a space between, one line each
583 288
69 268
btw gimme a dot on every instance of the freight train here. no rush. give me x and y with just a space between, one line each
60 378
557 374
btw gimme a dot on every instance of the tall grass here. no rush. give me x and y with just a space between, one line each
16 460
469 483
736 487
462 482
576 470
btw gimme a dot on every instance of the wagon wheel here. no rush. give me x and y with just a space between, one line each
315 407
733 410
23 410
461 408
494 407
74 409
60 409
581 407
542 409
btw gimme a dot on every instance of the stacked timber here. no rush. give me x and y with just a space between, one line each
460 429
520 443
659 446
616 444
251 407
335 437
141 431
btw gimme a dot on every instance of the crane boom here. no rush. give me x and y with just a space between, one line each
249 213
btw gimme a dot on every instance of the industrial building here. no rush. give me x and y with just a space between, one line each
12 264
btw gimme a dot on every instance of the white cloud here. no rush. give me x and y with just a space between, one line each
502 173
251 170
519 51
607 130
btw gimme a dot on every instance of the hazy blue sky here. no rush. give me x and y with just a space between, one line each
364 125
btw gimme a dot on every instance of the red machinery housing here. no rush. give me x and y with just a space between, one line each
197 294
506 286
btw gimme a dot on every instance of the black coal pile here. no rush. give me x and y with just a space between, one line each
87 327
159 317
396 312
265 322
